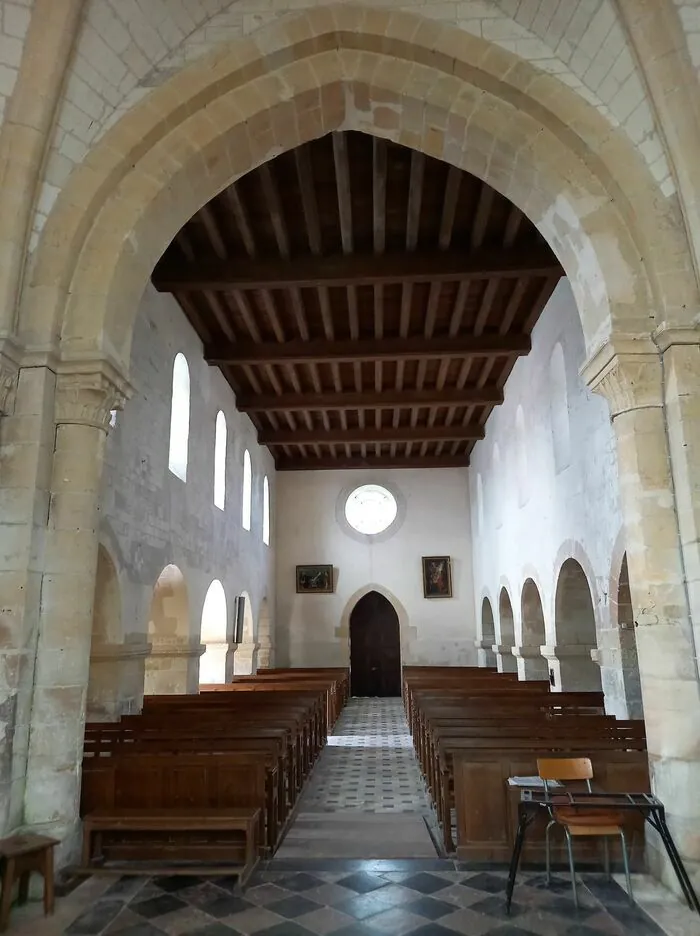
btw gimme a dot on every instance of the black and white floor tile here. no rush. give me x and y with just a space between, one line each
365 787
424 898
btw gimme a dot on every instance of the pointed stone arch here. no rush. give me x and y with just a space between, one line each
316 71
407 632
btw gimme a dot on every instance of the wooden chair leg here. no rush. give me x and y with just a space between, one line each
23 895
48 882
8 880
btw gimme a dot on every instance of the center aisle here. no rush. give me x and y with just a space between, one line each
366 797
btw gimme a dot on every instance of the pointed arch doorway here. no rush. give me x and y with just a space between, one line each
375 647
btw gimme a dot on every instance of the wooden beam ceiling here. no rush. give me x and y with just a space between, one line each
385 349
370 269
470 432
369 399
365 302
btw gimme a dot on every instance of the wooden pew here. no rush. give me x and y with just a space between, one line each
475 728
220 756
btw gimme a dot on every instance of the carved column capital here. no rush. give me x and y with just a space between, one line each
87 393
627 372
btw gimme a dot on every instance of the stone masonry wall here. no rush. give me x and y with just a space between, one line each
128 46
544 488
149 517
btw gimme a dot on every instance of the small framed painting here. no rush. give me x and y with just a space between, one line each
437 577
315 579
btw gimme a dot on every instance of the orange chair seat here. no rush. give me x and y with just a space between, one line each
589 821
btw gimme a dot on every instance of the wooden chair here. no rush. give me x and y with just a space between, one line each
587 822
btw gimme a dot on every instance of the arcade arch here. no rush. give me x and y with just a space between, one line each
103 694
167 671
505 660
531 663
575 630
487 656
212 663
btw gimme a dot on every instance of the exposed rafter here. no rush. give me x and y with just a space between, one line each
365 302
376 461
368 399
356 269
468 433
388 349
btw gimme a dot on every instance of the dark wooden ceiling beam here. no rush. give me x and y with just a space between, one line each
388 399
374 461
369 434
356 269
386 349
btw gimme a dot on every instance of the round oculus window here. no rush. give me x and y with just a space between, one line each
371 509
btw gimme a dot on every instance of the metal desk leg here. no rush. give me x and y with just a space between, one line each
523 823
686 886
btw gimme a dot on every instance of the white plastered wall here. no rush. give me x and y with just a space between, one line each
312 630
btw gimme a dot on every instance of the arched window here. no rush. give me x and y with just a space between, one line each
179 418
220 461
247 490
266 511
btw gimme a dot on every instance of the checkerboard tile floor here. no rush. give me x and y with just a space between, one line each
368 767
368 764
362 899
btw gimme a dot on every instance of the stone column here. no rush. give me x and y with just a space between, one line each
83 401
172 666
530 662
573 668
619 672
115 685
505 661
485 656
654 400
245 662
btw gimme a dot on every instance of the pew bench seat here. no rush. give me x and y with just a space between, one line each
245 821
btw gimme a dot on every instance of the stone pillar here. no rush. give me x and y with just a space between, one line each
530 662
619 672
485 656
115 685
245 662
172 666
266 652
654 403
83 401
573 668
505 661
26 445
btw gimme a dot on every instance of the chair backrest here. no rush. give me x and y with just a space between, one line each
565 768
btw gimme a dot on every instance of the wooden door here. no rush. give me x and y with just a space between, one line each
375 648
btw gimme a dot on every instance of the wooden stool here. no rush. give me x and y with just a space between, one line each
20 855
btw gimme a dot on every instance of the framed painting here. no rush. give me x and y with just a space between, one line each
437 577
314 579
